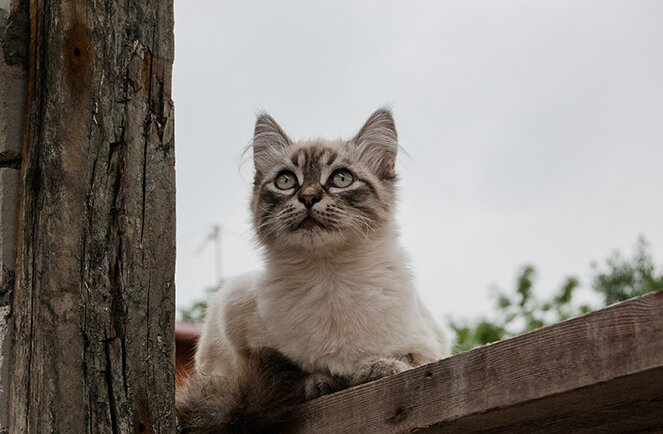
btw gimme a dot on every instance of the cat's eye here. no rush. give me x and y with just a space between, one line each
341 178
285 180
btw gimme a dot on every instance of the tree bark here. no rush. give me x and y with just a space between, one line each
94 295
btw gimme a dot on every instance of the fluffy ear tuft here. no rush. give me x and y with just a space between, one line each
268 141
377 143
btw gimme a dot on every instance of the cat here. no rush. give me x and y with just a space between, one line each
335 305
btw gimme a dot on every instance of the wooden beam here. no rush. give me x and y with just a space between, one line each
601 371
94 293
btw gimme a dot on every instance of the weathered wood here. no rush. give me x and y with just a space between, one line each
94 295
14 41
602 372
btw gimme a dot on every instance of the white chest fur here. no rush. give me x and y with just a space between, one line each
335 313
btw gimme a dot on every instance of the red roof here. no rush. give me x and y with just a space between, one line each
187 332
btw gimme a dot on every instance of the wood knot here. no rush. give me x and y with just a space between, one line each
143 423
399 416
77 55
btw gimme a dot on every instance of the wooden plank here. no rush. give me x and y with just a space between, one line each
94 293
602 371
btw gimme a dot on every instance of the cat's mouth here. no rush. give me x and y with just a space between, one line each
309 223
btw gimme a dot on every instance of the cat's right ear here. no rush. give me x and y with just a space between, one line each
377 143
269 141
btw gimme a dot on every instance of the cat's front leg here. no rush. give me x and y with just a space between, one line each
377 368
318 384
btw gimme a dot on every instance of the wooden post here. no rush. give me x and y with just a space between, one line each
94 295
14 41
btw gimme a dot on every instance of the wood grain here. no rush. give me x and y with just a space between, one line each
602 372
94 295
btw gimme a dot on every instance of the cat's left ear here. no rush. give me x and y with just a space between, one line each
269 141
377 143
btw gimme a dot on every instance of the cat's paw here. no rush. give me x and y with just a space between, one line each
317 385
378 368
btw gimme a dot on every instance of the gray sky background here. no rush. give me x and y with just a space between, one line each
534 128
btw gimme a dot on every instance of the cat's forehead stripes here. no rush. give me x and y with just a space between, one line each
313 153
311 159
331 157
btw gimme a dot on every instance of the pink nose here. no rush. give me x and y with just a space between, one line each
310 196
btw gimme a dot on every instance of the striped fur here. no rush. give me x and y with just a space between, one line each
345 214
336 296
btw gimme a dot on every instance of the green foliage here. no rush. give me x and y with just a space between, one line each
521 312
468 337
517 313
624 278
196 311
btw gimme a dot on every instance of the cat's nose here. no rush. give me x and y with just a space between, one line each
310 196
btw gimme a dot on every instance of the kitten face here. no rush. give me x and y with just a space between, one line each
321 193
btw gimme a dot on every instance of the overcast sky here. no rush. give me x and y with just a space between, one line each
534 128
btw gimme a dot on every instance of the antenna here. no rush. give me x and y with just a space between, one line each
215 236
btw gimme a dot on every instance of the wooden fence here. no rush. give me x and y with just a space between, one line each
602 372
